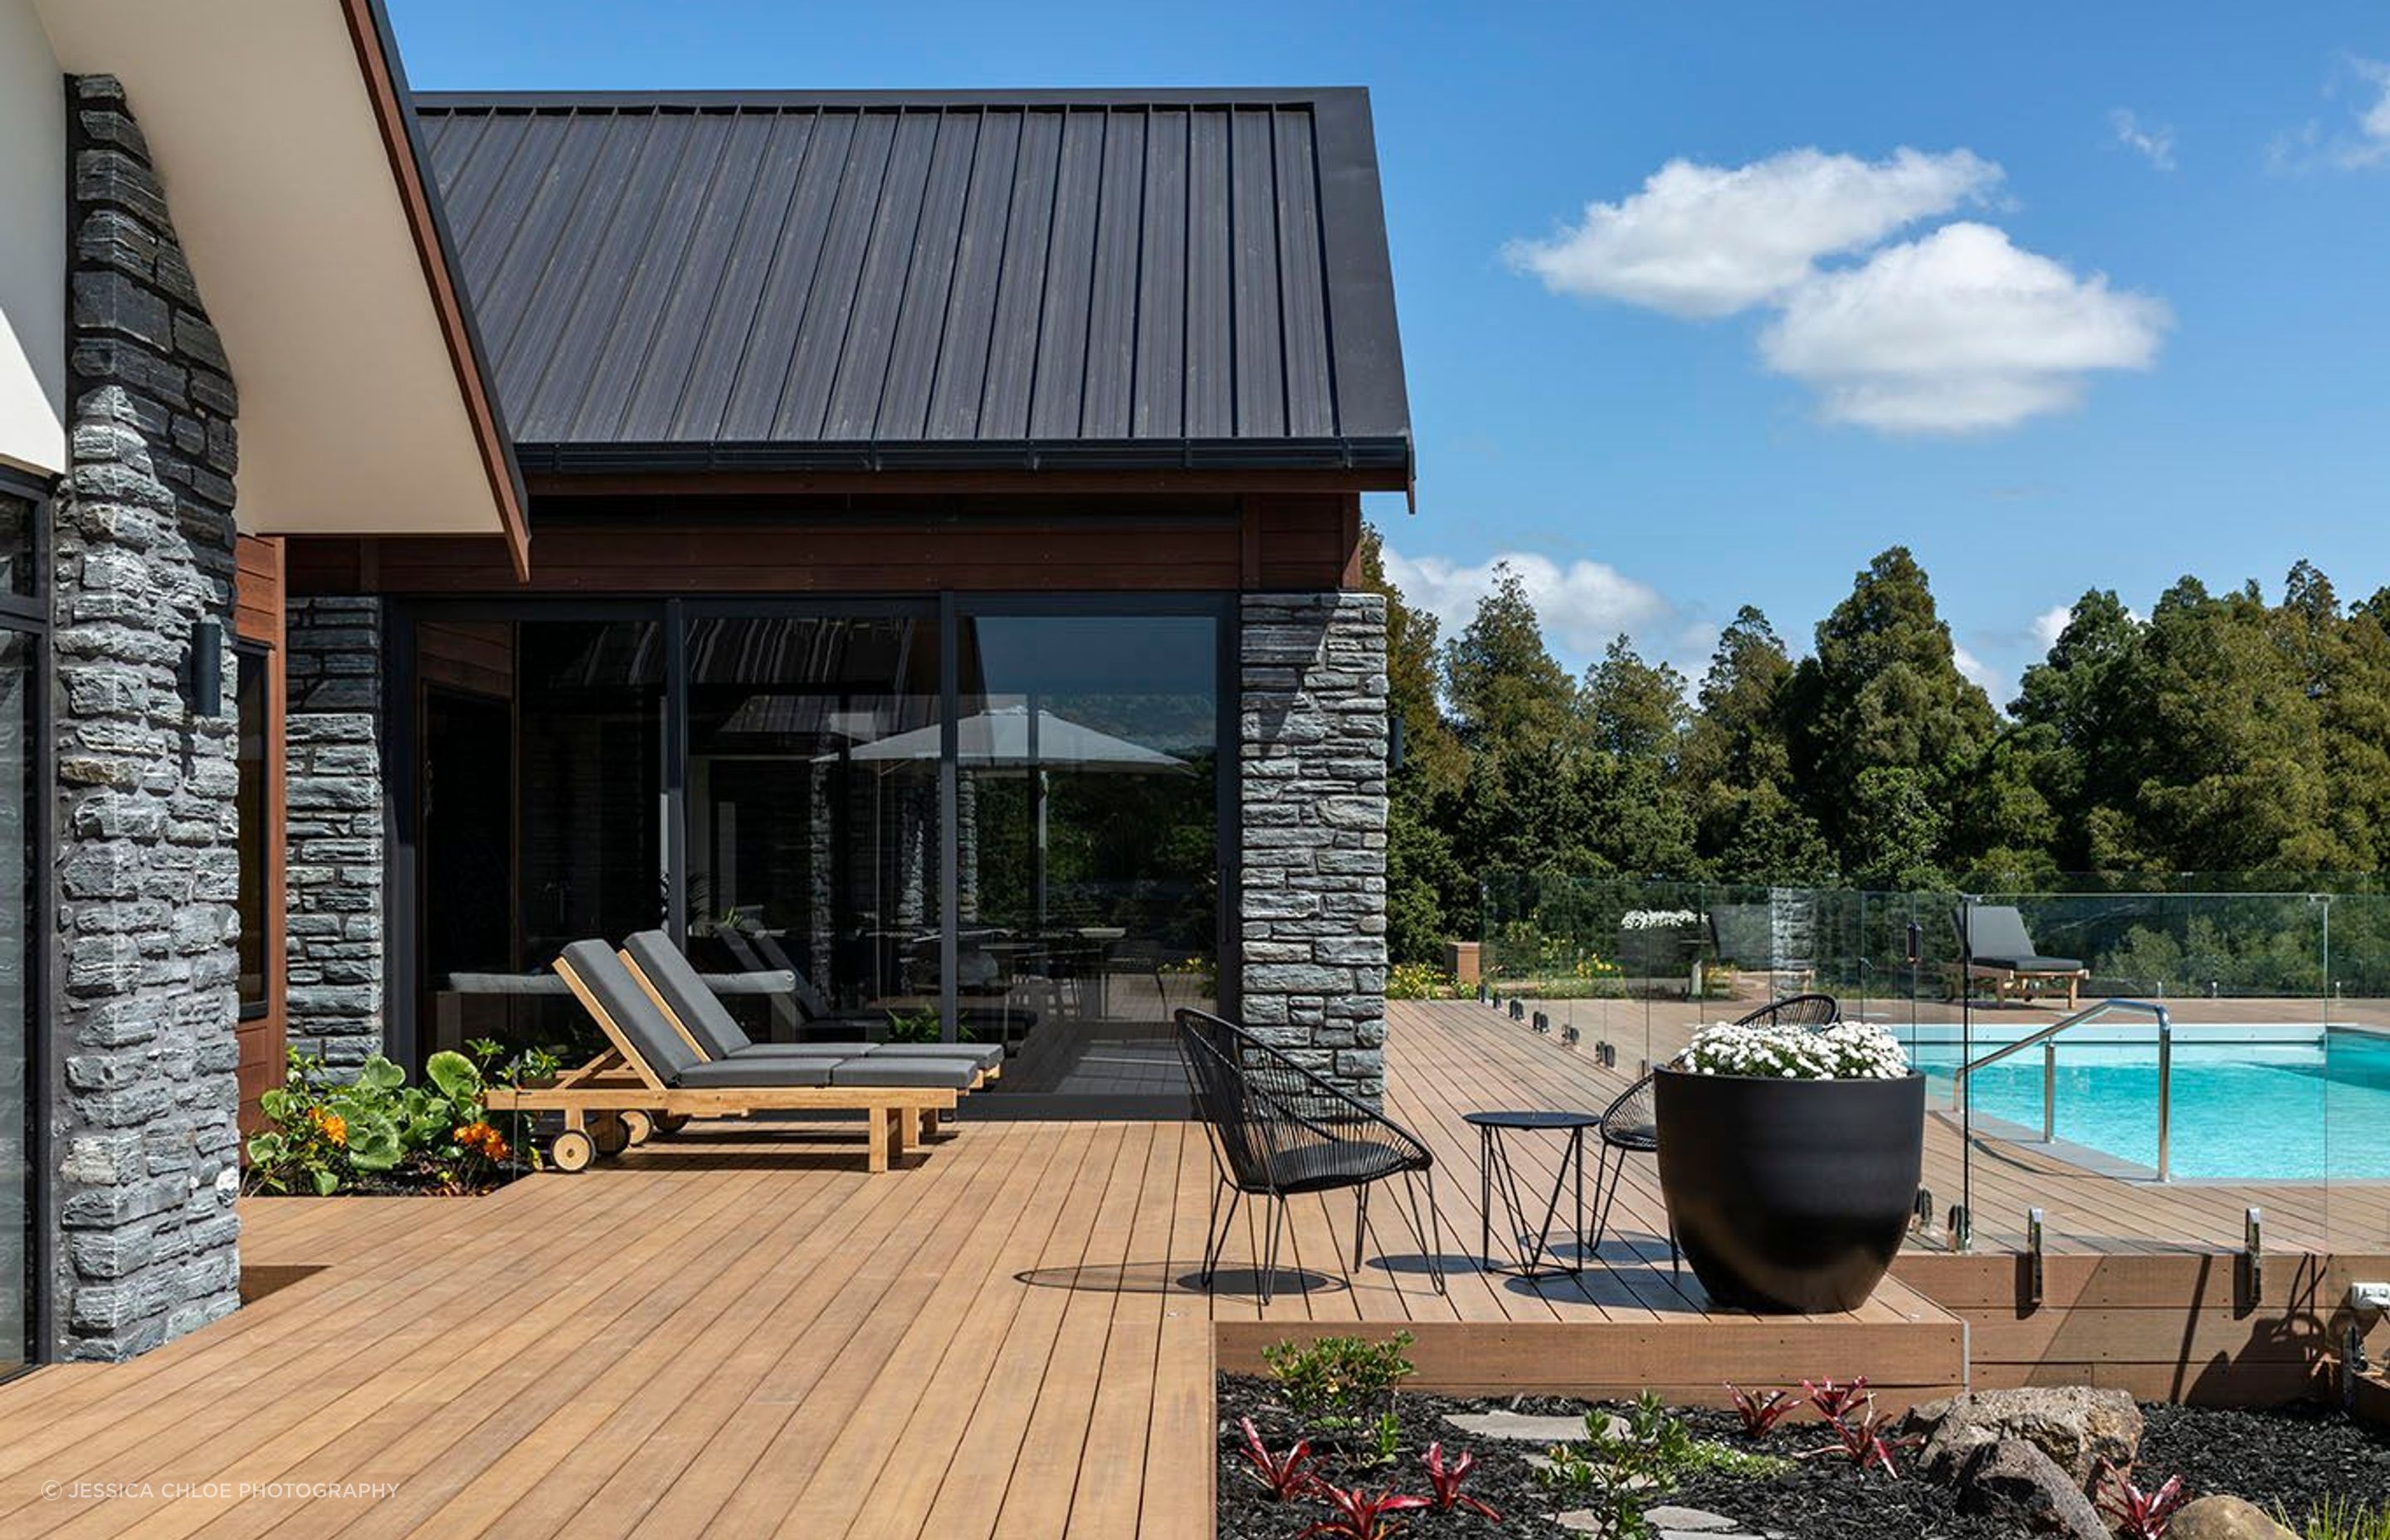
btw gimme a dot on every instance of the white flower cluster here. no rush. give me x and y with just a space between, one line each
1657 919
1847 1050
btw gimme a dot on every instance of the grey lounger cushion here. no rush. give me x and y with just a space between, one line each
636 1016
929 1075
706 1017
2000 940
734 1073
979 1055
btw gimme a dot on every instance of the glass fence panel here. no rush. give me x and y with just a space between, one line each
2139 1061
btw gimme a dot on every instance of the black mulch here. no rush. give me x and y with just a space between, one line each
2294 1456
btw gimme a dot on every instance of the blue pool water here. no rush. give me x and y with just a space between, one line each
2312 1107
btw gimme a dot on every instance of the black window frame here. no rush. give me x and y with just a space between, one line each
30 615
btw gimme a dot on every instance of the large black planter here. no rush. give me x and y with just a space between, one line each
1790 1195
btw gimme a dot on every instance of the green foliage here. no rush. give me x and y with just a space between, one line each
2339 1518
1339 1384
2218 733
1413 980
1635 1460
324 1132
925 1025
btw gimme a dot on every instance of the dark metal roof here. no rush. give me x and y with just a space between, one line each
840 280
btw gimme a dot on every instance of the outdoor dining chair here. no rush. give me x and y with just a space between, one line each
1278 1131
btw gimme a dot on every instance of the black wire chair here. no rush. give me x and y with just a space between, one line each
1630 1125
1278 1131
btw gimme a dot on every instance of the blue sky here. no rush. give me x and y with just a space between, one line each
2057 347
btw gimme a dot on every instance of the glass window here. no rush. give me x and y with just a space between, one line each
1087 841
19 573
812 817
591 703
21 793
250 800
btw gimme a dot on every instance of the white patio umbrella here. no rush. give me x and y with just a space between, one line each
1018 740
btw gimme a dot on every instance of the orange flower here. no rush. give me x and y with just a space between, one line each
331 1124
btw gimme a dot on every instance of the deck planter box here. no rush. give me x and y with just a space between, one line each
1790 1196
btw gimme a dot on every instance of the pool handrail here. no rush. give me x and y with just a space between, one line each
2046 1040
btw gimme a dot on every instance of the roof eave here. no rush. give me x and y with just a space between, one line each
385 78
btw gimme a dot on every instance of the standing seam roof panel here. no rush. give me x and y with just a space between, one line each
714 226
1109 388
821 338
961 382
903 409
757 273
713 362
853 406
1161 388
763 368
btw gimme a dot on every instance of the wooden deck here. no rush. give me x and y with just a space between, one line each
740 1332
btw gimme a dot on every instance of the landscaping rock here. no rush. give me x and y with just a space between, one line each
2014 1479
2225 1519
1585 1520
2076 1427
1526 1429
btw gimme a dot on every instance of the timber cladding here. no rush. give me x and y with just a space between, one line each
2169 1327
1302 543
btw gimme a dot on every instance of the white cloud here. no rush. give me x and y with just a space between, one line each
2355 147
1957 331
2051 625
2154 142
1976 670
1704 241
1582 605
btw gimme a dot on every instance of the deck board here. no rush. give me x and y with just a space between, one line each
738 1332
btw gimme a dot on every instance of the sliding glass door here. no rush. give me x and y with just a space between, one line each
987 820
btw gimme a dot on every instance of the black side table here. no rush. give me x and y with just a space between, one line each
1498 1176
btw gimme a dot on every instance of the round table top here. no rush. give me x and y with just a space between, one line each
1533 1119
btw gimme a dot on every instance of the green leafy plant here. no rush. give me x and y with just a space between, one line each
1386 1437
324 1132
1339 1384
1626 1462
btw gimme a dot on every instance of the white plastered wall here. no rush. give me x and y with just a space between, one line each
32 245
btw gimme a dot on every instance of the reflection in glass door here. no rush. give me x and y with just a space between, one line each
812 796
1087 841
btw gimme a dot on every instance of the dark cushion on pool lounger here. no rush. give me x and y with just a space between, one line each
636 1016
981 1056
929 1075
2032 965
684 990
732 1074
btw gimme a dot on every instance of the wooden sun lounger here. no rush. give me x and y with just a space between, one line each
604 1101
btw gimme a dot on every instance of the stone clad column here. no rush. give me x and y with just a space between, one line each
332 653
146 1099
1312 842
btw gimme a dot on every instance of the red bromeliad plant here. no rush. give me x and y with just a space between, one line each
1443 1481
1360 1516
1285 1477
2137 1515
1835 1402
1867 1439
1760 1414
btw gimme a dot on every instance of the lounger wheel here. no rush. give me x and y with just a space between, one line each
572 1150
671 1123
638 1126
610 1132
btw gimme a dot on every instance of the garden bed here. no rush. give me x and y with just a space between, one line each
2296 1458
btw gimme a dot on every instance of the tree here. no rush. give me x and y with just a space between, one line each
2081 717
1429 894
1506 690
1884 692
1736 767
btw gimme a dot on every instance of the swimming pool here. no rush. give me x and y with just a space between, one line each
2250 1104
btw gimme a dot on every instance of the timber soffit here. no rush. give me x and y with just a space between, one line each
837 281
